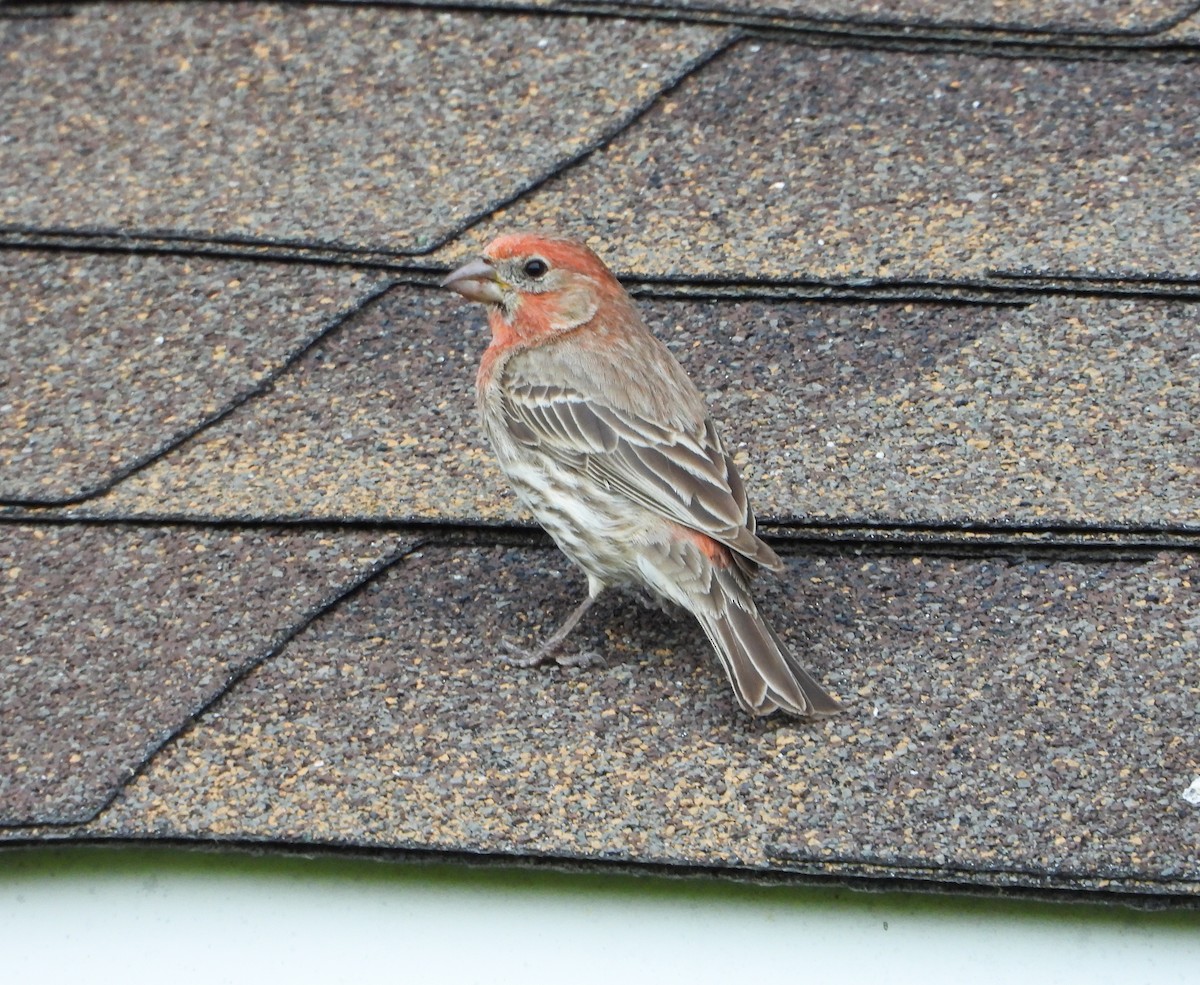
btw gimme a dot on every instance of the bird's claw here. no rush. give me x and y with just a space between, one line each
583 658
519 656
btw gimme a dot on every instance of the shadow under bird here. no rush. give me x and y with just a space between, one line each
610 446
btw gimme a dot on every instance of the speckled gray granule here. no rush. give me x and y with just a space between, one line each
374 126
783 161
1070 16
1000 716
1068 411
1187 31
106 359
112 637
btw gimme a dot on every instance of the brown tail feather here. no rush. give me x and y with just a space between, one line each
765 677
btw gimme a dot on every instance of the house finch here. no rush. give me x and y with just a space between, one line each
609 444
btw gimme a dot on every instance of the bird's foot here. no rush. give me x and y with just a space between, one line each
518 656
654 602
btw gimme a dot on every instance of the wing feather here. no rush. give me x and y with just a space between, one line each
685 476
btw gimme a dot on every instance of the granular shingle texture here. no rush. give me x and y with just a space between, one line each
112 637
1004 719
312 123
1059 19
376 422
106 360
1064 412
1086 16
1187 31
783 161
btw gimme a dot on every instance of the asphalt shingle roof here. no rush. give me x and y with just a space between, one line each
935 267
111 359
115 637
312 124
779 160
391 724
1061 412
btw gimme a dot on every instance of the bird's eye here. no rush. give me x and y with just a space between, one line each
536 268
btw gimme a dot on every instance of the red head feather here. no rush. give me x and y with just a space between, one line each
558 251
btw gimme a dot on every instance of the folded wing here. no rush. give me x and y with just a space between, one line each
684 475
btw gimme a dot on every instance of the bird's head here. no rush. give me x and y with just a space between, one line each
537 284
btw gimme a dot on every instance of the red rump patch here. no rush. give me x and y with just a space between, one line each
716 552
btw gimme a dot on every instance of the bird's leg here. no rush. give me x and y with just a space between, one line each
549 650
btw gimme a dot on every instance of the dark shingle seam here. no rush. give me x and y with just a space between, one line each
1010 288
62 240
985 46
231 681
787 21
780 25
852 26
1158 894
631 120
263 386
829 538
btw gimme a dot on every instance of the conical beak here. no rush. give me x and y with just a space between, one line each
476 281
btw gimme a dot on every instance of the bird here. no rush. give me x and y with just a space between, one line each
608 443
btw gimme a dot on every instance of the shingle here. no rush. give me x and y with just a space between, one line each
781 161
375 422
1187 31
310 122
1066 16
113 637
1007 723
106 360
25 11
1053 17
1065 412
